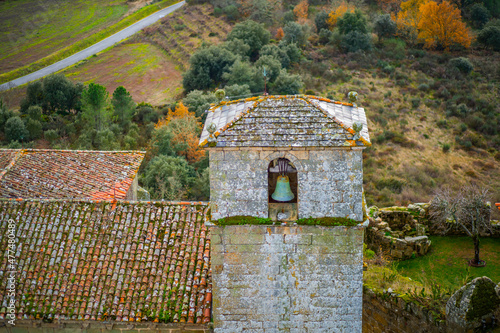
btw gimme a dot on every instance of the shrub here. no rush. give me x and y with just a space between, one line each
287 84
415 102
489 37
423 87
446 147
15 130
237 91
352 22
34 128
356 41
51 135
324 36
321 21
463 64
294 33
479 15
384 26
252 33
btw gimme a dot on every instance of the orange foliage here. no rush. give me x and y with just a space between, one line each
441 26
407 20
185 128
280 34
339 12
301 10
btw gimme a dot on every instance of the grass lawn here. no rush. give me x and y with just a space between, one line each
446 263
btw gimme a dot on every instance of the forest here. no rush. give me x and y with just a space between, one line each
423 69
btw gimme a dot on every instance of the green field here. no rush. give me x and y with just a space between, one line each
446 263
31 30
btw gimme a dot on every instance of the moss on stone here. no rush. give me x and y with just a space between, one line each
484 300
328 221
323 221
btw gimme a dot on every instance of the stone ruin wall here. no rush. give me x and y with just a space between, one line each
329 181
287 279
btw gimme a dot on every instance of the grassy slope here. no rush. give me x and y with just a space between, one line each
26 35
446 263
151 62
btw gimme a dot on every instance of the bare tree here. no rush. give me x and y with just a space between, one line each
467 210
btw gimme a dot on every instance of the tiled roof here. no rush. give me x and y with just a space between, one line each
286 121
54 174
119 261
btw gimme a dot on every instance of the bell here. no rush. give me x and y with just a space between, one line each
283 191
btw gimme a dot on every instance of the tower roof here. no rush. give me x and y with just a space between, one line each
285 121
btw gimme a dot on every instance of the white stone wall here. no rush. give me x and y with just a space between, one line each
300 279
329 181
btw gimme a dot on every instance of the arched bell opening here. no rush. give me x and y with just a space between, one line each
282 190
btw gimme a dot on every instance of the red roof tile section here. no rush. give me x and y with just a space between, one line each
122 261
74 174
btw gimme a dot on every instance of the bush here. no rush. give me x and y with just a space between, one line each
145 114
34 128
51 135
321 21
356 41
423 87
489 37
232 12
294 33
463 64
253 34
352 22
479 15
287 84
415 102
324 36
198 102
384 26
237 91
15 130
446 147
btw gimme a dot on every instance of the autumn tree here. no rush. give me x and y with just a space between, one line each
177 135
338 13
441 26
279 34
407 20
301 11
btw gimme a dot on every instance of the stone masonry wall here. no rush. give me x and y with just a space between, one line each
289 279
329 181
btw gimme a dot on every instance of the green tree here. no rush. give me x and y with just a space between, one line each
5 114
243 73
34 96
287 84
253 34
237 91
479 15
272 66
206 68
168 177
354 41
15 130
95 106
489 37
198 102
294 33
321 21
35 112
352 22
384 26
123 106
238 47
145 113
34 128
60 94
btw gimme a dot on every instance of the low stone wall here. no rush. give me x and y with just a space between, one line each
388 313
87 326
287 278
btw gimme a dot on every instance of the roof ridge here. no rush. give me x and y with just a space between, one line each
12 162
73 200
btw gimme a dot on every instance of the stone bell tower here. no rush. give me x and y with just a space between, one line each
286 158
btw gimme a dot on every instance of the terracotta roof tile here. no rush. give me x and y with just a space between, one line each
71 260
58 174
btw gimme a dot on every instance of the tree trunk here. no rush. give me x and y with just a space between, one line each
476 249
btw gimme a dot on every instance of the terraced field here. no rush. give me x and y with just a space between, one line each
150 63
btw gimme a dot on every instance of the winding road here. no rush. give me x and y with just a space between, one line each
91 50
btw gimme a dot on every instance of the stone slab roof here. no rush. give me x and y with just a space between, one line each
285 121
121 261
54 174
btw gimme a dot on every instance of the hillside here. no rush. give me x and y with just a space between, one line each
432 124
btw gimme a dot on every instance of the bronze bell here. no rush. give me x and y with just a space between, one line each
283 191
